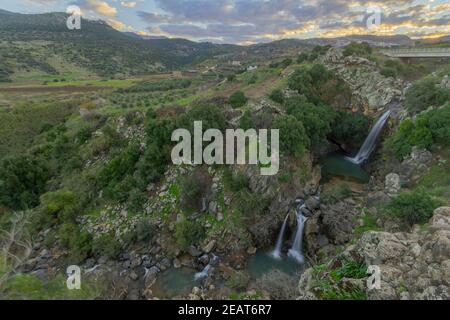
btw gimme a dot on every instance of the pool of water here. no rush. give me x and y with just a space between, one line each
175 282
262 262
336 164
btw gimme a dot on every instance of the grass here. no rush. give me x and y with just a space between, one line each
369 224
337 193
437 180
327 282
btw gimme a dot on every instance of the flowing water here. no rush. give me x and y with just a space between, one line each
296 252
276 253
204 273
369 145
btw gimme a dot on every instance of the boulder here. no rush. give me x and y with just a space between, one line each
392 184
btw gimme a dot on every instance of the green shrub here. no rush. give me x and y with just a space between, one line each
210 115
77 241
250 205
316 119
145 231
303 57
193 189
430 128
237 99
277 96
58 207
106 245
424 94
236 182
246 122
388 72
189 233
362 49
337 193
350 128
415 207
316 83
22 181
293 137
238 280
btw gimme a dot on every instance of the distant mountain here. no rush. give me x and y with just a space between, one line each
31 41
99 47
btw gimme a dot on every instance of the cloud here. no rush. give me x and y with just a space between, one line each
102 8
128 4
116 24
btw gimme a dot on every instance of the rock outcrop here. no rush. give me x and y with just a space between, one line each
412 265
372 92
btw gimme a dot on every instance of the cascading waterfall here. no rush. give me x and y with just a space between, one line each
204 273
296 252
369 145
276 253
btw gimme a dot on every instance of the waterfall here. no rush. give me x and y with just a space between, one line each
369 145
204 273
296 250
276 253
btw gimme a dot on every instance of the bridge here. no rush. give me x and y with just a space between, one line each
418 53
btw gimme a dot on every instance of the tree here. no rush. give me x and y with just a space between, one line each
277 96
22 180
350 128
237 99
246 122
362 49
189 233
316 120
293 137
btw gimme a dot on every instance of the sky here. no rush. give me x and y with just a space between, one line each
256 21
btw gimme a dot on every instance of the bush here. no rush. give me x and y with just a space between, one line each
303 57
77 241
237 99
22 180
106 245
388 72
238 280
424 94
293 137
277 96
337 193
362 49
414 207
236 182
189 233
316 120
350 128
316 83
193 189
58 207
250 205
246 122
429 129
210 115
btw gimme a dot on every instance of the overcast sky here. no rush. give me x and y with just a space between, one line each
252 21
